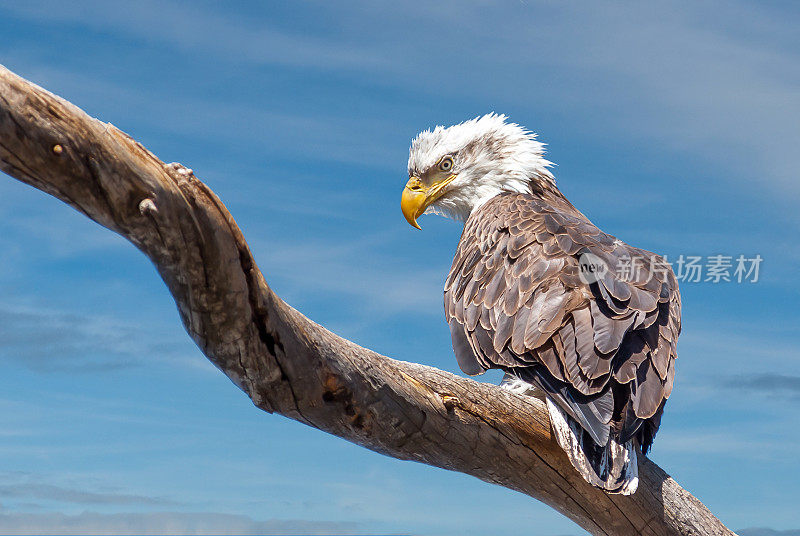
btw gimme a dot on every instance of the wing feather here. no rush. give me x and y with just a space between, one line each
514 300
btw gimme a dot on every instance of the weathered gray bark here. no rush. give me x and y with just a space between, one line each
288 364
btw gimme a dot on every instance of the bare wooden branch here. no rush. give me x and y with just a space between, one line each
286 363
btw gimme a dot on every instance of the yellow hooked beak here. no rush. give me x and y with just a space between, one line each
417 197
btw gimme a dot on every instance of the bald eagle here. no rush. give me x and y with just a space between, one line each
569 312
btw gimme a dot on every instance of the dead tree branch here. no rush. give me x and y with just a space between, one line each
286 363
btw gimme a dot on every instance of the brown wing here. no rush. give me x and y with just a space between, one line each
514 300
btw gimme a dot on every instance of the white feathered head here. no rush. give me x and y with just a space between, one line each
455 170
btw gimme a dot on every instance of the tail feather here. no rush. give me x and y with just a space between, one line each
613 467
583 430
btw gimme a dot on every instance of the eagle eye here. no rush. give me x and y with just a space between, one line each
446 163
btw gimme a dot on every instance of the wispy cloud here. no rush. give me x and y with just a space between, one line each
267 129
20 487
53 341
769 384
187 28
737 345
164 523
50 492
762 531
722 439
704 89
358 270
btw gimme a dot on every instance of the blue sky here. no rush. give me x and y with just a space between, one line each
673 126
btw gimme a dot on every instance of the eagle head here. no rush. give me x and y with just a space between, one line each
453 171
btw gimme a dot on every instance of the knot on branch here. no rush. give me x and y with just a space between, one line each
450 402
337 392
147 206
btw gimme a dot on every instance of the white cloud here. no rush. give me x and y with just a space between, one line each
50 492
188 28
727 440
164 523
709 91
53 341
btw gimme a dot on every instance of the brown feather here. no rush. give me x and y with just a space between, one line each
515 291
